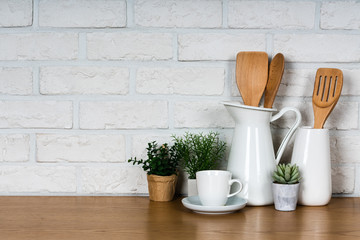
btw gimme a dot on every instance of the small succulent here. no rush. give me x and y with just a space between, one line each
286 174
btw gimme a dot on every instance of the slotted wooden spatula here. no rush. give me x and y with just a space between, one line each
327 90
251 76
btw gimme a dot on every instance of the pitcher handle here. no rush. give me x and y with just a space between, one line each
290 133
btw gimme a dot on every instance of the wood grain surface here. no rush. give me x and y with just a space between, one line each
138 218
276 72
251 76
327 89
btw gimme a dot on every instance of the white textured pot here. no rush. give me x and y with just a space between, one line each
285 196
192 187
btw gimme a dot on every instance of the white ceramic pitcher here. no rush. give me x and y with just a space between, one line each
252 158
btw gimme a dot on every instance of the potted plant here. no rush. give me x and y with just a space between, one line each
198 152
161 167
286 186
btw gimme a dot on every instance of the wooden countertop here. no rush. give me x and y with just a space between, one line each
106 218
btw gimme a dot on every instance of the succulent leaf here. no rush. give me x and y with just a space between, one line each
286 174
287 177
292 182
280 170
295 176
278 178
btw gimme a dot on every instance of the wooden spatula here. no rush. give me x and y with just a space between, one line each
327 90
275 75
251 76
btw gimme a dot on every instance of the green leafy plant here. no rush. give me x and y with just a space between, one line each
286 174
199 152
161 161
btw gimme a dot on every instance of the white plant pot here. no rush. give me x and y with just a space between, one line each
285 196
192 187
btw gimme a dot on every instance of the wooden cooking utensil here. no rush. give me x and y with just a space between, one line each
327 89
275 75
251 76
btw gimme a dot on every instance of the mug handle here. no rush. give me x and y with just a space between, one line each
235 181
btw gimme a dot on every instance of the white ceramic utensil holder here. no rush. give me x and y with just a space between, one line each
311 153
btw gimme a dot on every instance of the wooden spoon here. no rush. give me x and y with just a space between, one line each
275 75
251 76
327 89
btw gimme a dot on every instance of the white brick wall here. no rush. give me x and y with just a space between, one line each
80 148
85 85
96 14
271 14
16 81
36 114
123 115
187 81
340 15
129 46
15 13
114 180
172 13
84 80
318 47
217 46
201 115
39 46
15 148
37 179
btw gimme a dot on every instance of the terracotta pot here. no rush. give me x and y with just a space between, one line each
162 188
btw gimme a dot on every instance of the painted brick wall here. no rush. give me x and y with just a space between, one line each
84 85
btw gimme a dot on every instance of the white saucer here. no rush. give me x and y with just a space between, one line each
233 204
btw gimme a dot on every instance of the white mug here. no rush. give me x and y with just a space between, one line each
214 187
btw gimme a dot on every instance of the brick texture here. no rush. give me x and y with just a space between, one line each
274 14
86 84
318 47
16 13
84 80
343 179
80 148
16 179
35 114
172 13
96 14
201 115
15 148
129 46
123 115
39 46
196 47
340 15
16 81
113 180
187 81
